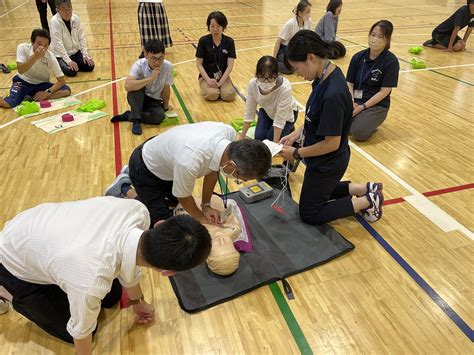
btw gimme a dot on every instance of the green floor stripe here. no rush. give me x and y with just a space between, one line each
406 61
289 317
181 102
290 320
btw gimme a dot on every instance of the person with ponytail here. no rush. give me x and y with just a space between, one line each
323 139
371 76
272 92
327 28
302 20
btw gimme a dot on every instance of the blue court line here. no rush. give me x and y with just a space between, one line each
445 307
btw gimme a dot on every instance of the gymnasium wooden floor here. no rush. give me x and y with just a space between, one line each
408 285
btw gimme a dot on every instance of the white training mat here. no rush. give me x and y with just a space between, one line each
55 123
56 104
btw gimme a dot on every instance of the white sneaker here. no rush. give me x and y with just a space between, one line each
3 307
115 189
374 212
125 170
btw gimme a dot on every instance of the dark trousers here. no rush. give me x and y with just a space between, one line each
47 305
264 128
324 197
43 12
145 108
79 59
154 193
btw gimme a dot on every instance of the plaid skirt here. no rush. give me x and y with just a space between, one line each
153 23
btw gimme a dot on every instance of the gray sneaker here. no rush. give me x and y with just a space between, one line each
125 170
3 306
115 189
374 212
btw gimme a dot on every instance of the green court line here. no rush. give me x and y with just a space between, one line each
290 319
181 102
285 309
406 61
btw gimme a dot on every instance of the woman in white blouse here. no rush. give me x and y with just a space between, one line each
272 92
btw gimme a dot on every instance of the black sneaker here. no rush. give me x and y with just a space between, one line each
136 128
428 43
4 69
120 118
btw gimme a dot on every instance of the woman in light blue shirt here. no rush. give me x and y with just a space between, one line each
327 27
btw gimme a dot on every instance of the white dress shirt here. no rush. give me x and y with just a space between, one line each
186 153
80 246
279 104
141 70
290 28
65 43
41 70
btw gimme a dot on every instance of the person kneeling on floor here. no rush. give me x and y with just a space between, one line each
35 62
60 263
148 88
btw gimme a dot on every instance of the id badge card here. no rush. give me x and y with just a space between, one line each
358 94
218 75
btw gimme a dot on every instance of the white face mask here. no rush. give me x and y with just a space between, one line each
227 175
376 43
266 87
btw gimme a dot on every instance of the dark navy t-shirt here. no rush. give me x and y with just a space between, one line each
371 75
215 57
329 113
462 18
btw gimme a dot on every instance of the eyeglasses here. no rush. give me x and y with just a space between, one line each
157 59
271 79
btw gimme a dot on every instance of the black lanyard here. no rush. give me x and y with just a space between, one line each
312 97
363 78
218 57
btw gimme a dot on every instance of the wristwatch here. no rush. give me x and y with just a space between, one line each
296 154
137 301
49 91
207 204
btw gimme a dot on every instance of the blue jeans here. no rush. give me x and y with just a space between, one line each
264 128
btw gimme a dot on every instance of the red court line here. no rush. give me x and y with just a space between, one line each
118 150
432 193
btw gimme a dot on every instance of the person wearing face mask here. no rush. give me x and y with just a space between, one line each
215 57
278 110
35 64
148 88
302 20
164 169
327 28
371 76
68 41
323 139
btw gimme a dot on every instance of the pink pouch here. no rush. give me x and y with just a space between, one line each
67 117
45 104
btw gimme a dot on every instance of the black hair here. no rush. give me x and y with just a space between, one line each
267 66
219 17
154 46
469 2
302 5
40 32
387 30
333 5
252 157
305 42
336 50
180 243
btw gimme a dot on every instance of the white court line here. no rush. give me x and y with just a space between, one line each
407 71
16 7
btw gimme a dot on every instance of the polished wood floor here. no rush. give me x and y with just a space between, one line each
363 302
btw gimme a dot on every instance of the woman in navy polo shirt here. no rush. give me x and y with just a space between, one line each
215 56
323 139
371 76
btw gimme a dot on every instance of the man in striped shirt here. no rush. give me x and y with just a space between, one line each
61 262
